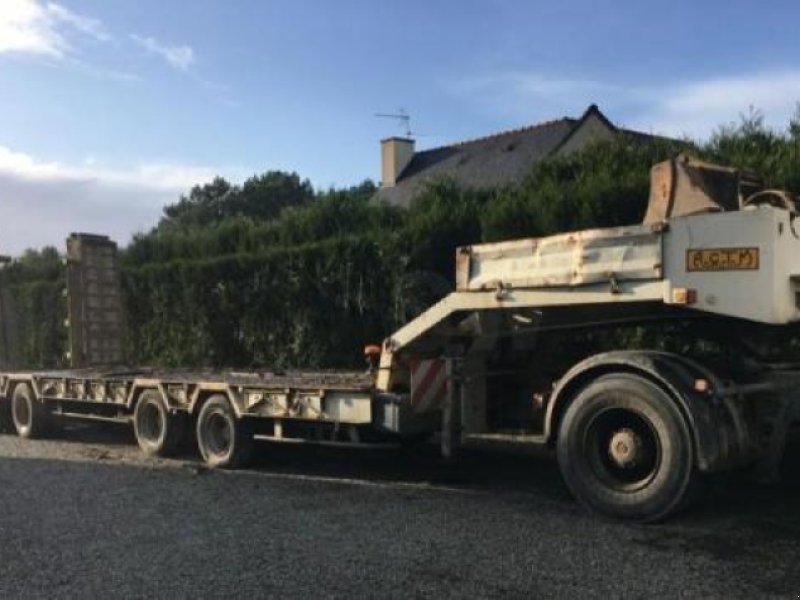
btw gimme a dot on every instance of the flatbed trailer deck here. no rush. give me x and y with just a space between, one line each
333 399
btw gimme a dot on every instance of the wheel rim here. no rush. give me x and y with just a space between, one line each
622 449
22 412
151 423
218 434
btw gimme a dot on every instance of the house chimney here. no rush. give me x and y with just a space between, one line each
396 153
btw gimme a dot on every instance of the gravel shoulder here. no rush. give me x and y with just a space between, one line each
87 515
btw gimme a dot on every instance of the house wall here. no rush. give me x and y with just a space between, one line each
593 129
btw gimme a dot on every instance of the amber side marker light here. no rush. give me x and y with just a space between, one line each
372 354
684 296
701 385
372 350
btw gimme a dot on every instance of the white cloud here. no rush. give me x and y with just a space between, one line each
42 202
25 27
693 108
31 27
157 176
85 25
697 108
178 57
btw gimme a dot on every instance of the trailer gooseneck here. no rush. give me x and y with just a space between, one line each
632 429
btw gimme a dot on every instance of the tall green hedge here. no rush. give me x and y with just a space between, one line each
34 284
39 311
311 306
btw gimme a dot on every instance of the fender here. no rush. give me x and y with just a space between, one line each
719 442
202 392
8 382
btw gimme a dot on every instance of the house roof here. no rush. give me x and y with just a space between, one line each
500 159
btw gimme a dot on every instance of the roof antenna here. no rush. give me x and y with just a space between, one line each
403 118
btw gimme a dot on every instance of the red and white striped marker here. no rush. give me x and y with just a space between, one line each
428 384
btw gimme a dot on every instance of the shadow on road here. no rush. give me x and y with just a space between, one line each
731 496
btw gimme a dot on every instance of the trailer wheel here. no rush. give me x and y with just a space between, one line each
157 432
223 440
625 449
29 416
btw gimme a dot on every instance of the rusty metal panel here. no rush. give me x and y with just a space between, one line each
686 186
96 316
573 259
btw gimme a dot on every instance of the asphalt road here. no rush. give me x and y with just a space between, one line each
87 516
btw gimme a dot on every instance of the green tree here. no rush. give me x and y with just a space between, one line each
338 213
751 144
260 197
441 218
203 205
265 196
35 265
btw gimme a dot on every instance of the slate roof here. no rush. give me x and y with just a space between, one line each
501 159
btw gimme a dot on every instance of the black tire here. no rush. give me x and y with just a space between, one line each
222 439
29 416
158 432
625 449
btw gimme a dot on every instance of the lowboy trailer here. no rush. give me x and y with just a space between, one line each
633 429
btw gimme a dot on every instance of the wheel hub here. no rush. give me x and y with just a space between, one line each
625 448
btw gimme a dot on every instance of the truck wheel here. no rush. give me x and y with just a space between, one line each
29 416
625 449
157 432
223 441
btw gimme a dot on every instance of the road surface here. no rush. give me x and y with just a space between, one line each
88 516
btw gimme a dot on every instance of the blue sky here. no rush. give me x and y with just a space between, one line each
109 109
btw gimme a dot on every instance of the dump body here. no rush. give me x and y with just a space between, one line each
722 256
568 260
